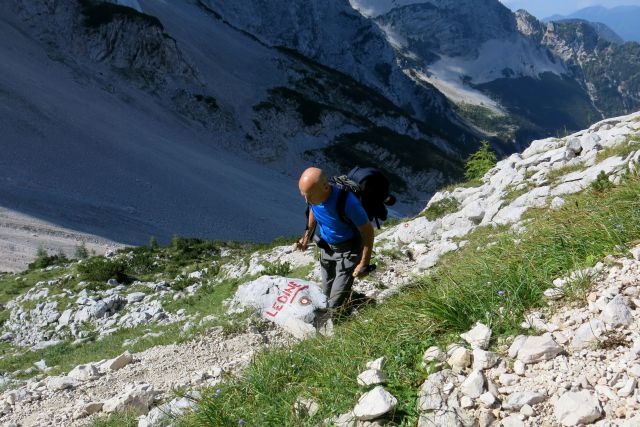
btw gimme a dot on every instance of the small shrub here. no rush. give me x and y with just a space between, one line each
143 262
441 208
44 260
153 243
480 162
278 269
81 252
601 183
183 283
100 269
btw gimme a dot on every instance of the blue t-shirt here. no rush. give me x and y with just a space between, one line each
333 229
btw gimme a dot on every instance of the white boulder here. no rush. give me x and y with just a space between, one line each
289 303
374 404
574 408
478 337
136 397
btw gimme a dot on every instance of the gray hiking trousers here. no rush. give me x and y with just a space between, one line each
336 268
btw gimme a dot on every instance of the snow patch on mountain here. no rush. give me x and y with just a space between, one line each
455 89
133 4
497 59
373 8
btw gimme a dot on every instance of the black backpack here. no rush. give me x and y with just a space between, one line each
371 187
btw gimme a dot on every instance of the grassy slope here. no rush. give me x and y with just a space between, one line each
494 285
144 263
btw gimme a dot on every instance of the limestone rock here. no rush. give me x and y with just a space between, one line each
587 334
460 358
484 359
119 362
306 408
60 383
432 397
289 303
487 399
374 404
84 372
535 349
557 203
137 397
617 312
574 408
512 421
376 364
162 415
433 354
135 297
372 377
478 337
473 385
517 400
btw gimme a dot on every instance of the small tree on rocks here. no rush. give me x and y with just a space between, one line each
479 162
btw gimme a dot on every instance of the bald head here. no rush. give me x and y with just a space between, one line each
314 186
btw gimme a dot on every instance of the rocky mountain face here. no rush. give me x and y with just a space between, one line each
607 70
621 19
603 30
138 93
336 36
574 365
506 81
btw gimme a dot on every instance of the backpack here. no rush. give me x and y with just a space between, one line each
371 187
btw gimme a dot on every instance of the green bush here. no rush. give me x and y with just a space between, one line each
277 269
601 183
81 252
480 162
183 283
44 260
143 261
153 243
100 269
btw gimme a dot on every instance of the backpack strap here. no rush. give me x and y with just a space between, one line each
306 227
341 205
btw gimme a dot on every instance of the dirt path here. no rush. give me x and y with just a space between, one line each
164 367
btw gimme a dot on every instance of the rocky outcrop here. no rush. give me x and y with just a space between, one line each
589 55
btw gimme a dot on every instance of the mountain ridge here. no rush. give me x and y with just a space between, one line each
619 18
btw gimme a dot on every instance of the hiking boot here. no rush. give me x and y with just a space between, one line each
323 323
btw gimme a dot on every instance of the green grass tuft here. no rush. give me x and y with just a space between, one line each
441 208
554 175
631 144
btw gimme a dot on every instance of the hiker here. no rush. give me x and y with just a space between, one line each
345 246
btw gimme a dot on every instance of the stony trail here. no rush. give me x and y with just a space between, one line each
202 361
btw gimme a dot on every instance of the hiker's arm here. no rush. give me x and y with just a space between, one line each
303 243
366 231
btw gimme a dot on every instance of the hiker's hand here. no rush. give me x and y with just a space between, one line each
302 244
361 270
